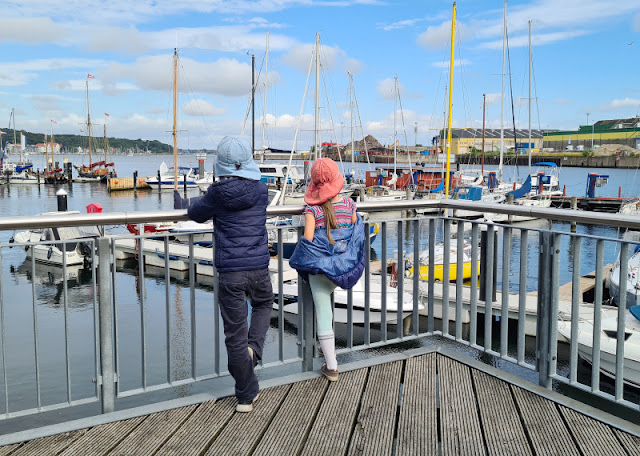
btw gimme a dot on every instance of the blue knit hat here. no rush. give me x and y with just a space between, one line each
235 158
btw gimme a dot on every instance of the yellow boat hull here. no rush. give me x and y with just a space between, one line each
453 271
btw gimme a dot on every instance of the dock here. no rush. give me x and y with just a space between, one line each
126 183
423 402
598 204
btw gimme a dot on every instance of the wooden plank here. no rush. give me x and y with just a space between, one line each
49 445
374 430
289 429
5 450
126 183
592 436
99 440
243 432
202 427
153 432
332 428
544 425
631 443
501 423
460 422
418 421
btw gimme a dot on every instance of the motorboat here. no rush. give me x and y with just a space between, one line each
21 174
546 174
608 343
340 297
274 174
45 245
439 268
166 178
633 285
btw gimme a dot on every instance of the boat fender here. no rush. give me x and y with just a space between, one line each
11 241
85 249
49 253
26 248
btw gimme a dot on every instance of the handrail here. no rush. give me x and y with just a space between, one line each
120 218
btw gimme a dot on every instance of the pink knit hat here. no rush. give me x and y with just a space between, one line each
326 182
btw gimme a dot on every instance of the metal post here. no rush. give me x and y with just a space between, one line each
107 381
544 308
307 308
135 180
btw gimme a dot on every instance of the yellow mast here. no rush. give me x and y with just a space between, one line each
175 115
453 32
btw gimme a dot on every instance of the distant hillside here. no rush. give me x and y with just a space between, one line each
72 142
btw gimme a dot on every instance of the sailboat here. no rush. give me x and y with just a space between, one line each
175 177
53 174
100 170
20 172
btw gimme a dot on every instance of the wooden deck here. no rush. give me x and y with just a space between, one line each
429 404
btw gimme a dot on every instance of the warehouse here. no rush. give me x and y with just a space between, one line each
589 137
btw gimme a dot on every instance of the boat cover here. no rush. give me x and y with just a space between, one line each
635 311
19 169
523 190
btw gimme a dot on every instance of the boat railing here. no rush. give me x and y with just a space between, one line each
126 331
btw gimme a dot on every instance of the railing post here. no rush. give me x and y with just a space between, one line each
305 305
544 310
106 327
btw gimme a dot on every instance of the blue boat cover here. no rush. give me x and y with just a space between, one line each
439 188
553 165
635 311
468 193
19 169
342 262
523 190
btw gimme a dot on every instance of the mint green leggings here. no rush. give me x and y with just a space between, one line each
321 289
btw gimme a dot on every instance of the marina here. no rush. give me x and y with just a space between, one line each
489 298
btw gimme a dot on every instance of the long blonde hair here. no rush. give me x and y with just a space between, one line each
330 221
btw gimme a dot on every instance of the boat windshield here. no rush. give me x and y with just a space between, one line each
77 232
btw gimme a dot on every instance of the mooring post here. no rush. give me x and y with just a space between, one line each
135 180
574 206
184 183
159 182
61 195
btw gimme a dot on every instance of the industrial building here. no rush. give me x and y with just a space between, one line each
465 140
589 137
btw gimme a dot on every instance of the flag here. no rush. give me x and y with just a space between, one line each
54 121
90 77
107 114
81 131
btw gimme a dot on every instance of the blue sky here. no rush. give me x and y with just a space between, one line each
586 57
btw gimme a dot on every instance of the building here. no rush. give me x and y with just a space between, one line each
465 140
588 137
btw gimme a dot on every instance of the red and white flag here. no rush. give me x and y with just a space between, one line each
107 114
54 121
90 76
81 131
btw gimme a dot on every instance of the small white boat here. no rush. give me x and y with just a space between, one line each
633 286
272 173
76 252
608 343
167 179
340 296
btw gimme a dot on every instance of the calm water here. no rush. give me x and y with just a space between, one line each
19 279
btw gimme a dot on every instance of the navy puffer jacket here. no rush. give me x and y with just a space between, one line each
238 208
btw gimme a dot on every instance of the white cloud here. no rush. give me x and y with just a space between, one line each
129 40
30 30
401 24
198 107
536 40
300 55
636 22
386 89
232 78
493 98
20 73
456 63
617 104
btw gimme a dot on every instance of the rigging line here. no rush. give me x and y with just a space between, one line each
406 141
333 127
364 139
188 83
515 138
465 93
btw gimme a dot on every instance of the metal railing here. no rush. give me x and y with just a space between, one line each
141 346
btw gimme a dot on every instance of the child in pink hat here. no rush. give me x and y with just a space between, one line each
326 210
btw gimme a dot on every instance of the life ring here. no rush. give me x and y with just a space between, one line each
370 191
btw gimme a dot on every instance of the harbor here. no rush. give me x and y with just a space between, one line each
160 198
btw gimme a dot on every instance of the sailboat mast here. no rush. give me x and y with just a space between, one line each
484 106
504 39
453 33
46 153
353 164
317 110
88 122
175 118
529 98
264 104
52 151
395 133
13 116
105 144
